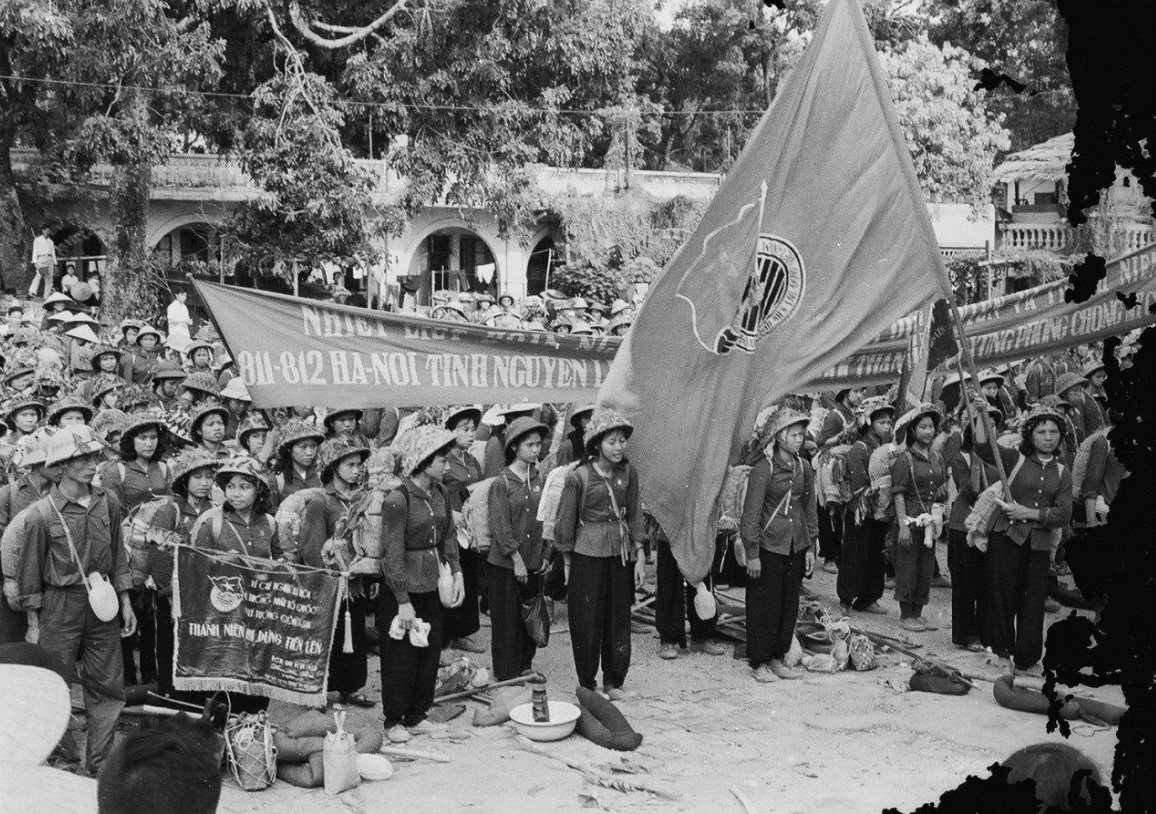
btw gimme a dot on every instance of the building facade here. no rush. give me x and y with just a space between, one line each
193 195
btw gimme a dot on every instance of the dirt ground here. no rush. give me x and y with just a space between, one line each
848 742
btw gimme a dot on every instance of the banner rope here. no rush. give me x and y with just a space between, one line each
232 557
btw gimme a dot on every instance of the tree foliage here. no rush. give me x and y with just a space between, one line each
81 66
481 91
1026 40
315 203
952 135
463 97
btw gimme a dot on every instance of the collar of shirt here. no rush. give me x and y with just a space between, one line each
62 500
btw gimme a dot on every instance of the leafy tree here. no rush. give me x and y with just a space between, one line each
592 282
952 135
1026 40
82 65
718 69
483 92
316 202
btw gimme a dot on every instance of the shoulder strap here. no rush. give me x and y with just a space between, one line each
67 536
1015 470
122 469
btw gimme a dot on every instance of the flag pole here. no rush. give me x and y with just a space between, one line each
969 360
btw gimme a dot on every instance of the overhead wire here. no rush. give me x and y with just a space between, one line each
208 94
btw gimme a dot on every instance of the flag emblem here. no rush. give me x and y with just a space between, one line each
773 292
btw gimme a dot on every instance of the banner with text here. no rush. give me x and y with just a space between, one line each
1054 326
292 351
258 627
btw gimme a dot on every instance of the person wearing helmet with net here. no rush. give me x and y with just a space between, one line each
71 533
191 476
341 462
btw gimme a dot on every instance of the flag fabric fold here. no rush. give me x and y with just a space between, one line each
817 241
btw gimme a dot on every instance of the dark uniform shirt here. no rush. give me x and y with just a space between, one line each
144 365
135 482
178 517
920 477
780 513
47 560
462 470
417 530
1037 486
587 522
320 522
514 524
256 537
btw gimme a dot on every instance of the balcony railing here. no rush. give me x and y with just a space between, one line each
1058 237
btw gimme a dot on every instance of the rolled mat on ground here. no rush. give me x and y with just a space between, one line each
300 743
1027 700
601 722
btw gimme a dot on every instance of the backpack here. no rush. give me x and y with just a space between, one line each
552 497
879 470
134 535
290 515
832 477
11 549
363 527
734 494
1080 464
476 514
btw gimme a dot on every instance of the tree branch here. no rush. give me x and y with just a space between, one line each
354 35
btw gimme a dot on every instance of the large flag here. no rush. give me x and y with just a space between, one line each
817 241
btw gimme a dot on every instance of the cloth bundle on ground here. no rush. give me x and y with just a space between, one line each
301 742
601 722
938 679
1028 700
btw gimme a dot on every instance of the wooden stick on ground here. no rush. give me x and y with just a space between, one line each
591 774
397 751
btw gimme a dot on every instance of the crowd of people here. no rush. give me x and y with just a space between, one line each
100 421
551 311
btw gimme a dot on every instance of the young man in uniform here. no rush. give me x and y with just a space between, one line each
77 521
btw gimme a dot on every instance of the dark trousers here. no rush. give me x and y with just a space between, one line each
831 531
511 648
773 606
408 674
600 596
69 629
674 603
144 640
967 589
164 643
465 620
13 623
349 671
860 579
1017 585
914 565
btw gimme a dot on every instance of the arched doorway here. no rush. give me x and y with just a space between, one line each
453 258
197 242
543 260
81 251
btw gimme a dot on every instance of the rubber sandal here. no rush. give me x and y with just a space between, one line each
359 699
